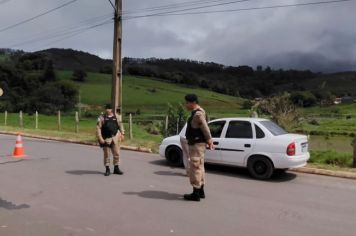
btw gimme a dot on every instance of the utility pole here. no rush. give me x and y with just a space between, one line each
116 93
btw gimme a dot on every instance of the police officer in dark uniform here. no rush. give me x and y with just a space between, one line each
110 133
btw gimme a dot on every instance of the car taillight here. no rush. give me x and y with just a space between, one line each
291 149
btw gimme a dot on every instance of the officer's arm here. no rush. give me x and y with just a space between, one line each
121 125
99 124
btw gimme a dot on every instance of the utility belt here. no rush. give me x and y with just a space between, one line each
197 140
105 137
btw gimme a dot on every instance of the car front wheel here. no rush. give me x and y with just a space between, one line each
174 156
260 167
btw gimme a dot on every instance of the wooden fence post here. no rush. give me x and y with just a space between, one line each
76 122
59 120
166 127
354 155
21 119
130 127
36 124
5 122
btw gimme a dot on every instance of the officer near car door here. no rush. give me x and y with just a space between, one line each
110 133
199 138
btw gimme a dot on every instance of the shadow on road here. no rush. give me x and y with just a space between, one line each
11 206
11 162
84 172
227 171
157 195
170 173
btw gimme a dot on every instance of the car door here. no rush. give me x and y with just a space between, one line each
238 142
216 129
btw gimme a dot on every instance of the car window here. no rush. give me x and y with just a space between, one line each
239 129
259 132
273 128
216 128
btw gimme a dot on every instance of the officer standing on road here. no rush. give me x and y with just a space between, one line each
110 133
199 137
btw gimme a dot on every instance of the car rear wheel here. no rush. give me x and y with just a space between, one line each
260 167
174 156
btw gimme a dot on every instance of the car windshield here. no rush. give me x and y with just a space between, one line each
273 128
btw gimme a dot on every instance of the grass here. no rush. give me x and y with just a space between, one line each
332 158
335 143
341 110
152 96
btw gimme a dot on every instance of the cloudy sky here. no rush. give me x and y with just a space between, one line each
322 38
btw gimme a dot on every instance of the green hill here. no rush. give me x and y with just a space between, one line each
69 59
151 96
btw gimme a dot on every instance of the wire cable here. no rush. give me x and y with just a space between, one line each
73 34
37 16
239 9
60 30
206 6
170 6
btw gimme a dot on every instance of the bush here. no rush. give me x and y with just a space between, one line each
155 128
79 76
314 122
247 104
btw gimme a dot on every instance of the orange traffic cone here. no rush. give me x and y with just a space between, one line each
19 151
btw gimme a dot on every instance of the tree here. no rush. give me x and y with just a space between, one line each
303 98
79 76
282 111
49 73
176 116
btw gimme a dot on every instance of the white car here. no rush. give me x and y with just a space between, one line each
258 144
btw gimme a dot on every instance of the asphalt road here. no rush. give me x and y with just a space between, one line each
60 190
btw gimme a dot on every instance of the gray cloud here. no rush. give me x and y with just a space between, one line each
314 37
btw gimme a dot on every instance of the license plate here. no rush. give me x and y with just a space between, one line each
304 147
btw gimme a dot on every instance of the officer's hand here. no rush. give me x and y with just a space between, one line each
102 141
211 144
122 137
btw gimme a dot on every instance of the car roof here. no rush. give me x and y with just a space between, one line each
241 119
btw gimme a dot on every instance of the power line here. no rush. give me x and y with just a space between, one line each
112 4
239 9
60 30
206 6
37 16
75 33
170 6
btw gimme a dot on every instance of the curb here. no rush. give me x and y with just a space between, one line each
331 173
128 148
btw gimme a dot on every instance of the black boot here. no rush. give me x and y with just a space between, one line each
201 192
194 196
117 171
107 172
